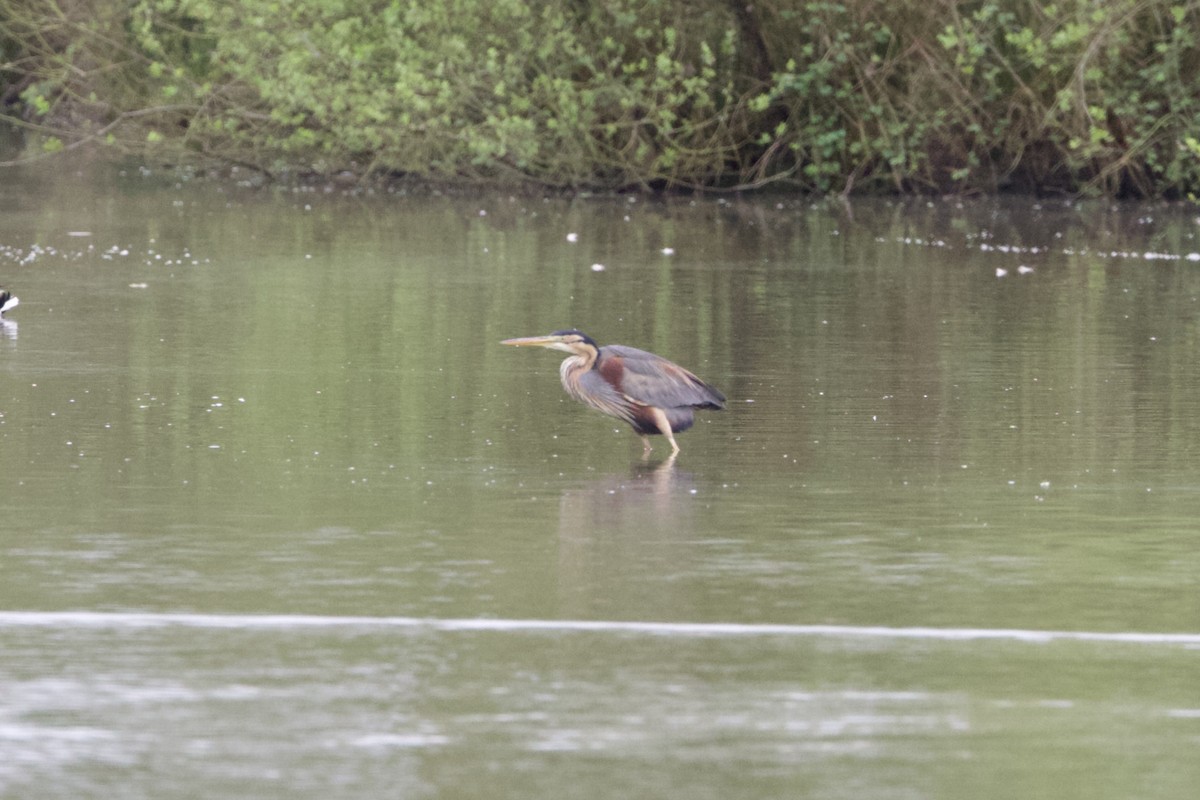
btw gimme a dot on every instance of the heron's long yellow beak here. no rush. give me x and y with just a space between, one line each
533 341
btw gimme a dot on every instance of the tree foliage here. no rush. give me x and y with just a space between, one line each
824 96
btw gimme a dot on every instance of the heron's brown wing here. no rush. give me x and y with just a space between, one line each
595 390
653 380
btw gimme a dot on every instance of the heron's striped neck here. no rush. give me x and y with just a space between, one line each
572 367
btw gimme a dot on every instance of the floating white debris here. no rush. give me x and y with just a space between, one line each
572 237
668 251
597 268
1024 270
1001 272
139 286
1193 256
79 233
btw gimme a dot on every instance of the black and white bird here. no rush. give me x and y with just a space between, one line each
8 301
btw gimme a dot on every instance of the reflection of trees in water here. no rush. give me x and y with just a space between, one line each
617 538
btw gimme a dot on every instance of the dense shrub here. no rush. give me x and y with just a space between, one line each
938 95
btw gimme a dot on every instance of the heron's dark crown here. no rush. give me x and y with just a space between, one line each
572 332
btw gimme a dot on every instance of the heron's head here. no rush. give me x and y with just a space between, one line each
574 342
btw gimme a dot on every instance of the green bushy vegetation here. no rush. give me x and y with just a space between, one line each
1090 96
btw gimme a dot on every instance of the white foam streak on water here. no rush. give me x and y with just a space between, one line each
88 619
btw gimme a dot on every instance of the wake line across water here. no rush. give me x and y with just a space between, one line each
133 620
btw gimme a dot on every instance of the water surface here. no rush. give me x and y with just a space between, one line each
237 424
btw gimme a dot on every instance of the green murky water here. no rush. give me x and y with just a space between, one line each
279 516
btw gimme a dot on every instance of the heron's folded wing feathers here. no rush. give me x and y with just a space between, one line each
655 381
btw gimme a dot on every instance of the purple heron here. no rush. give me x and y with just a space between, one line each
652 394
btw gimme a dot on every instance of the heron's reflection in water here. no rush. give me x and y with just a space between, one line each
621 537
8 329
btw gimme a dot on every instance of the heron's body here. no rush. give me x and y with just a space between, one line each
650 393
7 301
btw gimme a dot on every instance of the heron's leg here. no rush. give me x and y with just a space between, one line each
664 427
